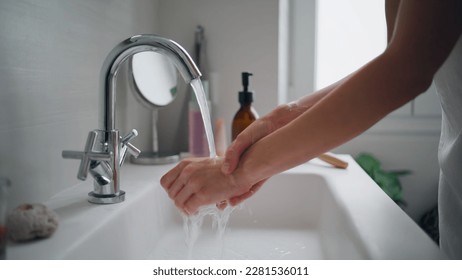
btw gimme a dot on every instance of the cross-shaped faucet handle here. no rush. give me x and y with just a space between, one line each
87 155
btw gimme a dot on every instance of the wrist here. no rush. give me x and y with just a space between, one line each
251 170
285 113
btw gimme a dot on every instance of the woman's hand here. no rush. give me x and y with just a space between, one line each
260 128
254 132
199 181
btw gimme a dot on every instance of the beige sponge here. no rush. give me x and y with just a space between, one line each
31 221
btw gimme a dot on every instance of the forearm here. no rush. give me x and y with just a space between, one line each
285 113
308 101
352 107
424 34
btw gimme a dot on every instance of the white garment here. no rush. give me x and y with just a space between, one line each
448 81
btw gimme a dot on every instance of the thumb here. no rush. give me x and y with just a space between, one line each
243 141
231 159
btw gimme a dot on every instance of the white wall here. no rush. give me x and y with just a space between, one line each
51 54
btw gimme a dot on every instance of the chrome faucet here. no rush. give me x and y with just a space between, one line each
105 150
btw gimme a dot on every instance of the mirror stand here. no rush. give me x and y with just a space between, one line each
154 157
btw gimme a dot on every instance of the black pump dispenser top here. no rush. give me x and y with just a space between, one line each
245 96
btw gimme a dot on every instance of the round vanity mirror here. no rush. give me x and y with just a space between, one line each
155 82
155 78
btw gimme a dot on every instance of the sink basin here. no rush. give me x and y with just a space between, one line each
313 211
289 218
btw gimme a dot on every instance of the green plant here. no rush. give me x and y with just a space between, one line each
388 181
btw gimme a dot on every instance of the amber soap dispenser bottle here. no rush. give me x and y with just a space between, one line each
246 114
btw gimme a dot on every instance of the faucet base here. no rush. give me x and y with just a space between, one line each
106 198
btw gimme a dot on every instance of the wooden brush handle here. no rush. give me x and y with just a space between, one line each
338 163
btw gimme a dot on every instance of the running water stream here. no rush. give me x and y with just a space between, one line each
192 224
196 84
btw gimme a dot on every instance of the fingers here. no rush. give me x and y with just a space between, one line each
170 177
233 153
185 194
175 188
197 182
174 181
188 179
222 204
189 200
198 192
198 199
256 131
192 205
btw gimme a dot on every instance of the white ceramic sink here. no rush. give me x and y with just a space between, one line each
289 218
313 211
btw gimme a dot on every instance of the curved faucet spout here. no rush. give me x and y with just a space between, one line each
127 48
105 149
